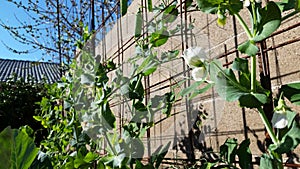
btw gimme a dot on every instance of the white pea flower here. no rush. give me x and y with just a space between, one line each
248 2
279 119
194 57
199 73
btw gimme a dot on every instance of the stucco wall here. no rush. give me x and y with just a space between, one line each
224 119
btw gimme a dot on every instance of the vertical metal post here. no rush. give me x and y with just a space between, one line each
184 45
264 73
237 55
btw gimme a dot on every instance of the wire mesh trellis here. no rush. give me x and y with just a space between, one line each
186 139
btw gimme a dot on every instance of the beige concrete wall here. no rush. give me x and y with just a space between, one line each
224 119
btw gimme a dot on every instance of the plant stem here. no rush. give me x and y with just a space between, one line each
253 74
254 18
268 126
109 144
244 25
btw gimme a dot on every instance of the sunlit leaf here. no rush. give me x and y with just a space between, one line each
230 89
138 24
248 48
170 14
159 38
270 20
228 150
266 161
193 87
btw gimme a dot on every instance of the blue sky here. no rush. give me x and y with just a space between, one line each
8 11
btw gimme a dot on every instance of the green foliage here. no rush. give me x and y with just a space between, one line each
292 92
17 149
124 6
231 89
249 48
18 104
59 117
159 37
269 19
138 24
228 152
290 137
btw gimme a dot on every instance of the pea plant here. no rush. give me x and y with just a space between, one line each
96 90
245 88
78 115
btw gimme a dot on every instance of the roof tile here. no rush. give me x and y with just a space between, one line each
28 69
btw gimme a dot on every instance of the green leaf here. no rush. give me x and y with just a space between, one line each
200 91
241 64
207 165
108 116
297 5
190 88
159 38
188 3
209 6
170 14
292 92
78 162
17 150
230 89
140 106
169 55
244 154
90 157
87 79
136 89
253 100
266 161
168 101
149 65
235 6
138 24
150 8
124 6
270 20
159 154
248 48
228 150
286 5
139 165
42 161
100 165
